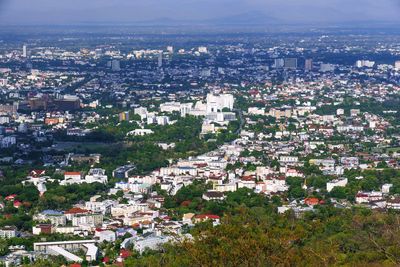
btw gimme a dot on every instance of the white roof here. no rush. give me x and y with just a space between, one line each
92 251
68 255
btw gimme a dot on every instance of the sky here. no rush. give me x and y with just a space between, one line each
69 12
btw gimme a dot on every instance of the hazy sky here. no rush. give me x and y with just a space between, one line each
126 11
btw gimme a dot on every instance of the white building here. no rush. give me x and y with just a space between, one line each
152 243
134 187
365 63
397 65
365 197
63 248
162 120
288 159
8 232
349 162
203 49
336 183
170 107
103 207
326 67
256 111
216 103
96 175
8 141
340 112
140 132
106 236
72 178
4 119
386 188
271 186
393 204
115 65
246 184
87 220
232 187
141 111
56 218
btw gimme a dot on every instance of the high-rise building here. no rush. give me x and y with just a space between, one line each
326 67
115 65
365 63
205 73
24 51
160 60
124 116
203 49
3 82
279 63
397 65
308 64
290 63
170 49
216 103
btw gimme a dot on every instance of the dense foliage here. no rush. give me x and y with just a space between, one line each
255 237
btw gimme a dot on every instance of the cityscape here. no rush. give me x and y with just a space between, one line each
199 145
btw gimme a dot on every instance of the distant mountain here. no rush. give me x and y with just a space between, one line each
248 18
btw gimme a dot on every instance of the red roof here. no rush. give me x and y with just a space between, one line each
76 211
17 204
75 265
311 201
10 197
247 178
37 172
200 165
106 260
124 253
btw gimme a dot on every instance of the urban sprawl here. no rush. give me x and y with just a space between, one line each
111 147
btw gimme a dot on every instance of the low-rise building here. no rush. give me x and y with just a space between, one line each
336 183
213 195
8 232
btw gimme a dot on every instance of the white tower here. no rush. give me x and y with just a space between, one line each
160 60
24 51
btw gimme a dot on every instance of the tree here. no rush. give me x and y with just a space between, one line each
339 192
3 247
255 237
382 165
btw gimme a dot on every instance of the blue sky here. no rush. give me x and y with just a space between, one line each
130 11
